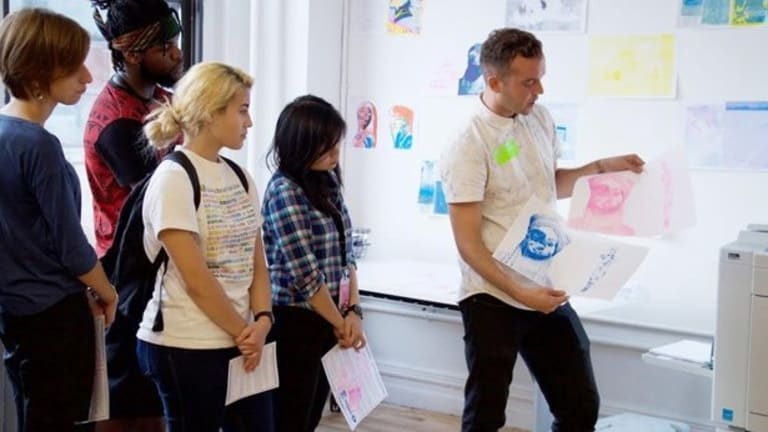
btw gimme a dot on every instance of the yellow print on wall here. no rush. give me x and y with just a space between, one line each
632 66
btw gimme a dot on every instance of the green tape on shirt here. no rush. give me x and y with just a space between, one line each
507 151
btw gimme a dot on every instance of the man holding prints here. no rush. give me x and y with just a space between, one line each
503 313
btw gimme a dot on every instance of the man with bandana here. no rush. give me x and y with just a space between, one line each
143 37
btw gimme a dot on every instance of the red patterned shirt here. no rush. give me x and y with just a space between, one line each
117 154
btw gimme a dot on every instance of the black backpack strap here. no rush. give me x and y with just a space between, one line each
239 171
162 257
180 158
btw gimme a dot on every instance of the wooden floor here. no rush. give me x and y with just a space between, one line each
391 418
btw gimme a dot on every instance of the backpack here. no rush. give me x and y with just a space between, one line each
126 263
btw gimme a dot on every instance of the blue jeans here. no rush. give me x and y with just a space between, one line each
193 385
554 347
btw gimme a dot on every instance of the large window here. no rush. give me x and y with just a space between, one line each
68 122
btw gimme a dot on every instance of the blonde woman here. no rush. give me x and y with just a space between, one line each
215 294
46 262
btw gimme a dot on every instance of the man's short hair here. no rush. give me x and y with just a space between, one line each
503 45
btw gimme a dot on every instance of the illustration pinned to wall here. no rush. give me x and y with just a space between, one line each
401 127
704 135
367 121
404 17
729 136
632 66
472 82
657 201
748 12
431 198
723 12
426 199
540 247
566 118
547 15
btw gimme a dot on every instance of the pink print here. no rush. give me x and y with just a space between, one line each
365 136
605 207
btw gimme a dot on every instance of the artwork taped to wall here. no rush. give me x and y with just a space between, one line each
431 197
540 247
404 16
366 121
547 15
566 118
737 13
401 120
632 66
472 81
728 136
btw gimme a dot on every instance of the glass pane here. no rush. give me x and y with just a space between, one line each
68 122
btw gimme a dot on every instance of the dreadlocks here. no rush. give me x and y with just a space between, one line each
134 25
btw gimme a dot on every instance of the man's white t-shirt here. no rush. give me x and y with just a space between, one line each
473 171
226 225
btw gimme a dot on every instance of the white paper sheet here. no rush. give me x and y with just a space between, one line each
355 382
241 384
658 201
541 248
99 409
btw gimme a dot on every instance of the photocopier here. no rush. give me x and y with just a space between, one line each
740 385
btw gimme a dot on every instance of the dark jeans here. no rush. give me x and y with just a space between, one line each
303 337
193 386
554 347
50 359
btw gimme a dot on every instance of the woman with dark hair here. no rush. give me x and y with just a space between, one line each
46 262
307 237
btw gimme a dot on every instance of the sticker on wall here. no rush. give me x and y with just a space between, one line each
441 206
472 81
367 120
404 17
401 127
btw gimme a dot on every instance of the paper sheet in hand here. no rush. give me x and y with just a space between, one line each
99 409
658 201
355 382
539 247
242 384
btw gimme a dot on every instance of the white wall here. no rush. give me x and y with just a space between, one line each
675 287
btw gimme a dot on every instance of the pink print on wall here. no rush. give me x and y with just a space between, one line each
367 120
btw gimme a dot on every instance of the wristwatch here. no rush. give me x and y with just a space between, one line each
354 308
267 314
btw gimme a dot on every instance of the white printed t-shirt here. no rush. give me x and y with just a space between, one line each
226 225
472 172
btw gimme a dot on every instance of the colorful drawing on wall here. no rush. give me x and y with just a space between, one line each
401 127
632 66
729 136
604 211
367 120
748 12
540 247
441 206
547 15
566 117
703 13
744 136
431 199
658 201
704 135
404 17
426 197
472 82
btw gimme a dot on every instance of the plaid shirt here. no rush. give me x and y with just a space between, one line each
302 244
